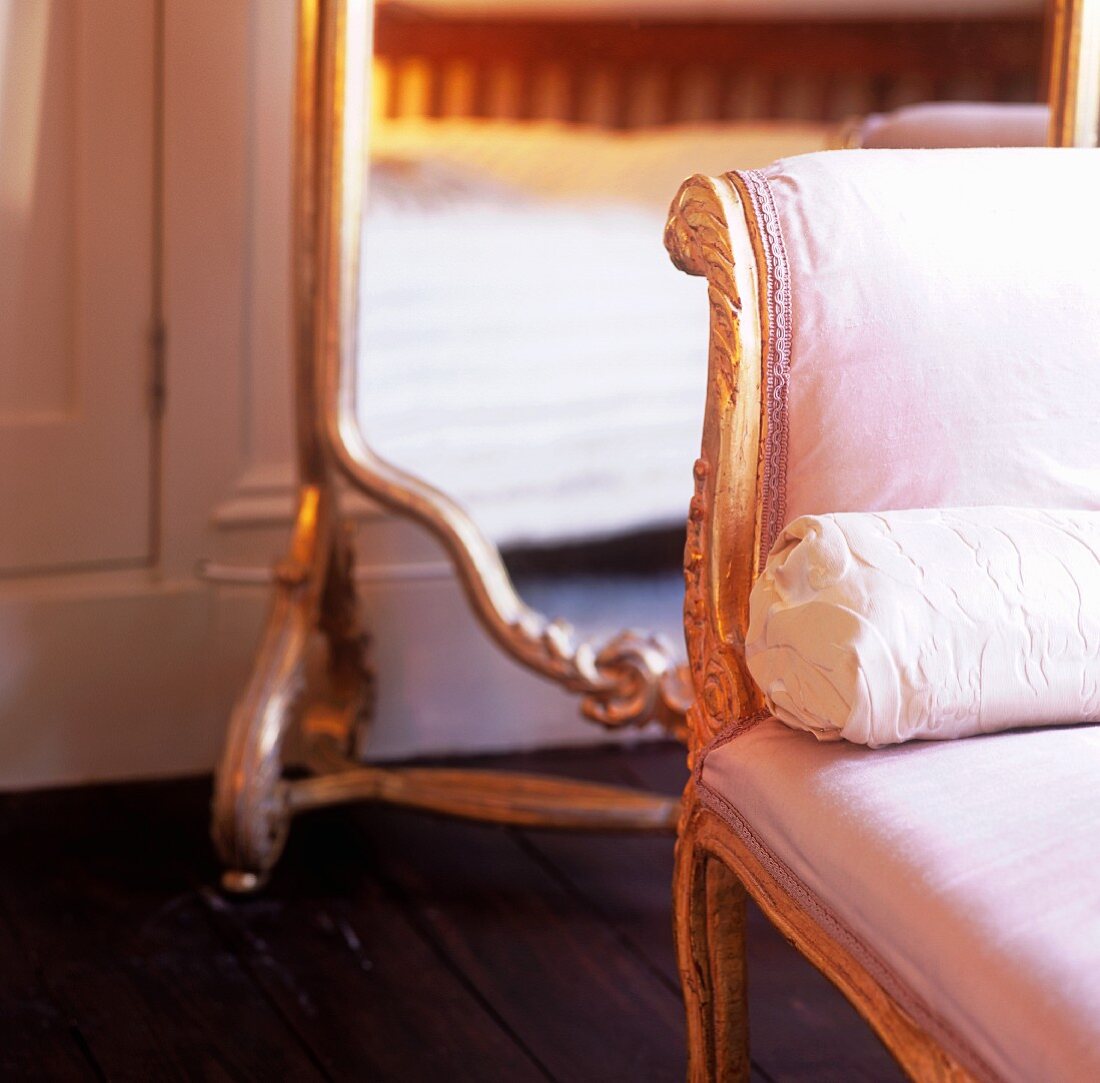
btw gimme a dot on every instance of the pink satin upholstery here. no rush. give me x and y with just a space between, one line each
957 124
965 871
944 351
945 328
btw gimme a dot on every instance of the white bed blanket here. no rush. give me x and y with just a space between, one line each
526 344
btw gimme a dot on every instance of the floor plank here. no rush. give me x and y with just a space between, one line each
625 878
552 970
40 1040
388 946
801 1027
100 885
370 996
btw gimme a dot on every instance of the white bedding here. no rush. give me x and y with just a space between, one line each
526 344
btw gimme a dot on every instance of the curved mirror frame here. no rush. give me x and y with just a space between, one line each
1074 88
309 682
631 680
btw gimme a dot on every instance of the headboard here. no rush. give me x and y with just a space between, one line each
619 72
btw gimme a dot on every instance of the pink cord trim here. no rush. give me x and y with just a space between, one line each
777 379
777 361
729 732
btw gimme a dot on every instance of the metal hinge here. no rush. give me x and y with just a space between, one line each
158 376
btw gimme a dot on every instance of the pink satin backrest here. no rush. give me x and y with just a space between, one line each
942 338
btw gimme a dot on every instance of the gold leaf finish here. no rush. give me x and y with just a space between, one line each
714 871
724 517
1074 86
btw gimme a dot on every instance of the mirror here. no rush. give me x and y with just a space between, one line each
513 365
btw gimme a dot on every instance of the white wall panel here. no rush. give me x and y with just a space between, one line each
76 279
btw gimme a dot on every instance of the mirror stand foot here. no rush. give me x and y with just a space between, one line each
239 882
287 694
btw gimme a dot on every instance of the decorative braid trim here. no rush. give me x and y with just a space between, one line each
833 927
733 730
777 360
777 377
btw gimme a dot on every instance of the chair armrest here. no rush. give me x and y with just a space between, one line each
709 234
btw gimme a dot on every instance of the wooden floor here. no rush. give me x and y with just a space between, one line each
390 946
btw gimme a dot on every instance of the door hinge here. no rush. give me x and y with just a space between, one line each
158 375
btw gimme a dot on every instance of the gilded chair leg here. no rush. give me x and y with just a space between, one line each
710 945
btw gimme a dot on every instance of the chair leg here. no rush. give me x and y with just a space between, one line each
710 943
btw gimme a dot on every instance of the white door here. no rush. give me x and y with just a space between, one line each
77 173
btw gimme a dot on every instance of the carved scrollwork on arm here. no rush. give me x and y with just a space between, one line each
724 519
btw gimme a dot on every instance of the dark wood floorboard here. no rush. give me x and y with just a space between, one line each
358 983
626 879
801 1027
38 1038
102 888
553 971
389 946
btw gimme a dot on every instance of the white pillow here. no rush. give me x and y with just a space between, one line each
885 627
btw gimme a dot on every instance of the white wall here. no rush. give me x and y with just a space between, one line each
122 669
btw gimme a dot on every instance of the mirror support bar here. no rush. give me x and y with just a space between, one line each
310 684
1074 88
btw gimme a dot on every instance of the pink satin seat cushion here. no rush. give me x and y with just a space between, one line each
968 869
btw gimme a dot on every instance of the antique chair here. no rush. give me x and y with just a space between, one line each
891 329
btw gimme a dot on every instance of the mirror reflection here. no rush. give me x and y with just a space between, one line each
526 345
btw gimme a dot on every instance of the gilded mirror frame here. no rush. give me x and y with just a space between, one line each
1074 62
309 696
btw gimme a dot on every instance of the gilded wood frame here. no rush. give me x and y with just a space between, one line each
710 234
310 686
1074 87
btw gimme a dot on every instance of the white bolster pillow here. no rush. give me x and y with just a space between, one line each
885 627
